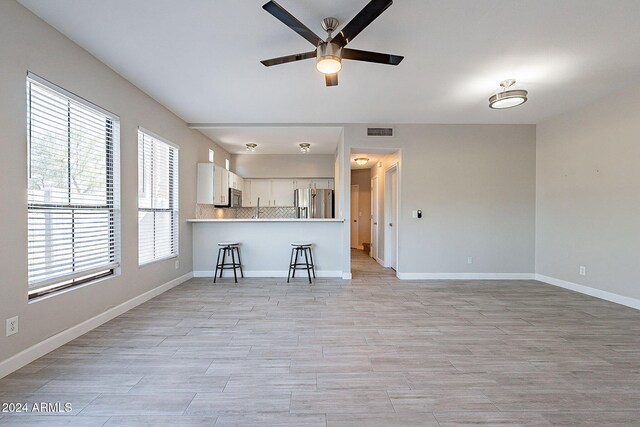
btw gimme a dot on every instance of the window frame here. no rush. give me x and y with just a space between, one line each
57 283
174 198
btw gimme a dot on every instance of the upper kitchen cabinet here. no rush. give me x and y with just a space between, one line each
318 183
206 176
213 184
236 182
221 186
272 192
281 192
254 189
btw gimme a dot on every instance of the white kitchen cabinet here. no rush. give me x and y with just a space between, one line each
319 183
272 192
322 183
205 184
239 183
221 186
281 192
255 188
301 183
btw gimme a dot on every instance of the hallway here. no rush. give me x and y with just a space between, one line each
363 266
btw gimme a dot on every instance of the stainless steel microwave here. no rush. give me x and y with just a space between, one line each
235 198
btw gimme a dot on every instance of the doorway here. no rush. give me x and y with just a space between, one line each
391 217
355 213
375 204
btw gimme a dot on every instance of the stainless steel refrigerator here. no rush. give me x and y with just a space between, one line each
312 203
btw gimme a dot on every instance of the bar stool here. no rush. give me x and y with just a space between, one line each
232 248
298 249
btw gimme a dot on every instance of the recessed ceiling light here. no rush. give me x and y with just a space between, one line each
305 147
361 161
508 98
251 147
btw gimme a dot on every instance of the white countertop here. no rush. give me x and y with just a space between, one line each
267 220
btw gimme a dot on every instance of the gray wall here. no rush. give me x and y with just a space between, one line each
476 187
588 195
283 165
30 44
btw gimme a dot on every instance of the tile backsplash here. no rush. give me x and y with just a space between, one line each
209 211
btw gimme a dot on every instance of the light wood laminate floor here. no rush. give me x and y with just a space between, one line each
371 351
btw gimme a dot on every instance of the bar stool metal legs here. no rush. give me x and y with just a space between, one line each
299 250
232 249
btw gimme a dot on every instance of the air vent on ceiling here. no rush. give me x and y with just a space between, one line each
379 131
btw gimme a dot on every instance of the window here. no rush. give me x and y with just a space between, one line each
73 189
211 155
157 198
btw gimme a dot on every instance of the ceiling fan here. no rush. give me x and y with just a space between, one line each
329 53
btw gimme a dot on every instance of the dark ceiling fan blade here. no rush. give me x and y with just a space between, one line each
365 17
289 58
363 55
331 79
292 22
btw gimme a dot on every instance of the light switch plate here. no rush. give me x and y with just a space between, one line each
583 270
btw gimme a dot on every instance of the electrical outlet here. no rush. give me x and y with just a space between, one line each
469 260
177 264
12 326
583 270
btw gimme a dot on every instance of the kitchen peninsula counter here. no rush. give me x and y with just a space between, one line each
205 220
265 244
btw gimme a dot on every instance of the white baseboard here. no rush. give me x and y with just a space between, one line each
465 276
38 350
274 273
598 293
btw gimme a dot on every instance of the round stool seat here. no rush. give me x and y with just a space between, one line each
228 244
301 244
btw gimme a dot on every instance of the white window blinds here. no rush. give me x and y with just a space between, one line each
73 189
157 198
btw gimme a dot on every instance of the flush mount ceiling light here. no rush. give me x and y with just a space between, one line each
305 147
361 161
508 97
251 147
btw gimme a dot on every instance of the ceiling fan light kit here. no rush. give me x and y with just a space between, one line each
329 58
508 98
251 147
329 53
305 147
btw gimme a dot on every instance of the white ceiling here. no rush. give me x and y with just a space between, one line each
200 58
275 139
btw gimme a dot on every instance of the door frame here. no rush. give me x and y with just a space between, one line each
354 221
391 237
375 218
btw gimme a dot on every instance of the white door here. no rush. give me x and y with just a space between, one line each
281 192
355 209
374 217
391 218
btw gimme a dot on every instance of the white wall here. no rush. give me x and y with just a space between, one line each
30 44
588 195
283 165
476 187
